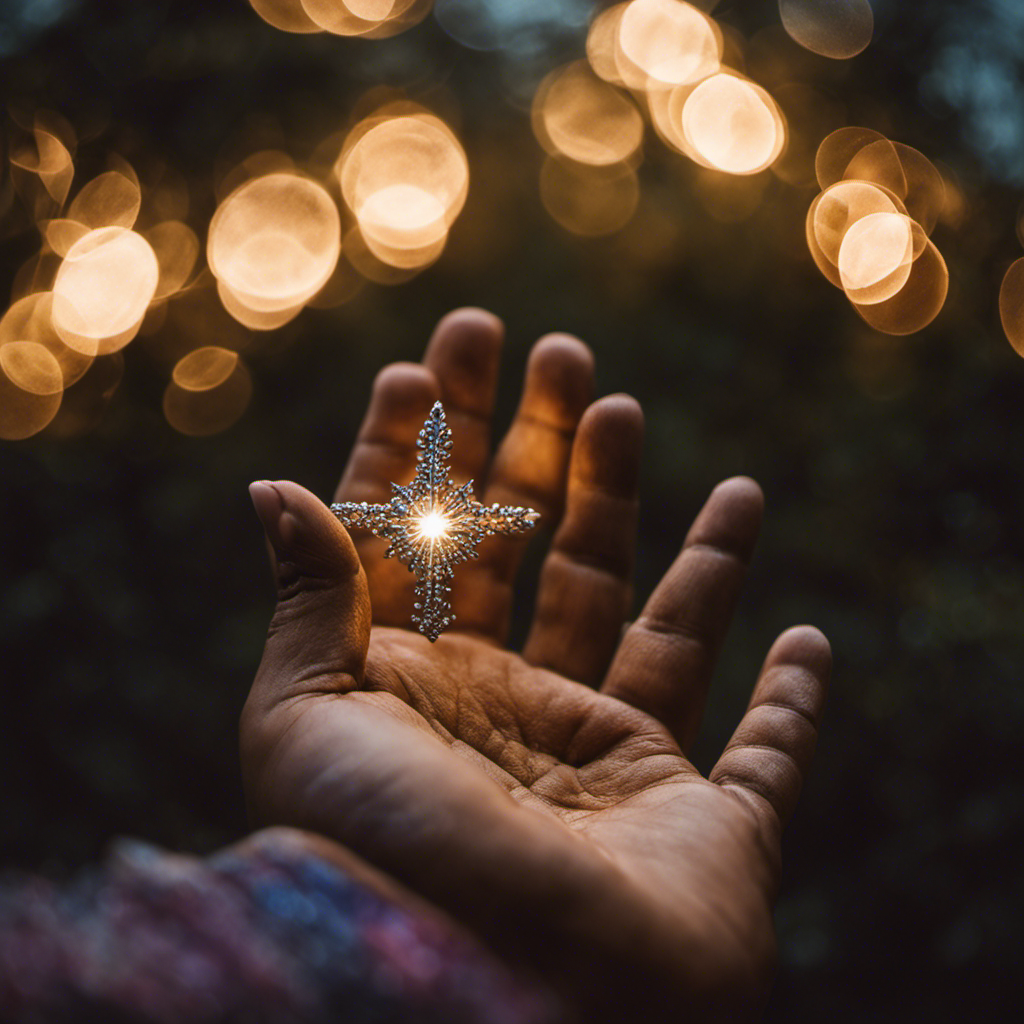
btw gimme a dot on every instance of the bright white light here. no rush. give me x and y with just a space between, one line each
432 526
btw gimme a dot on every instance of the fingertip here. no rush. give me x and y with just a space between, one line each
608 445
407 383
464 353
559 380
267 503
743 489
561 352
471 320
402 396
623 409
731 517
302 530
805 646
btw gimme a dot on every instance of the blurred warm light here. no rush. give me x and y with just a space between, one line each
403 216
602 41
176 248
833 28
925 195
345 283
875 256
905 171
665 107
375 19
274 242
918 302
879 162
31 389
370 266
287 15
31 367
835 211
31 319
61 234
577 115
110 200
837 149
1011 305
733 124
102 290
589 201
205 368
868 230
663 43
36 274
200 413
50 160
405 178
256 319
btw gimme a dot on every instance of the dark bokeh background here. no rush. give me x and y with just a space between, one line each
134 591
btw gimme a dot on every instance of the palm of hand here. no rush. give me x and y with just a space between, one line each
562 822
413 769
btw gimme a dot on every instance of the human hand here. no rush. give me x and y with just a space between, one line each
543 798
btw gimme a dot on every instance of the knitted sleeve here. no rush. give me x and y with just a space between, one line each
268 933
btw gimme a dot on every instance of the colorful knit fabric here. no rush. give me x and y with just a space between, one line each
272 934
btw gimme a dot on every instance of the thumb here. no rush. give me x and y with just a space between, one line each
320 630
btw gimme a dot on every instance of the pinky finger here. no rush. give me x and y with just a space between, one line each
767 759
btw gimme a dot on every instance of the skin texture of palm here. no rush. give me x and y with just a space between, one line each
543 798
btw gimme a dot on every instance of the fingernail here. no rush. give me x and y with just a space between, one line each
269 506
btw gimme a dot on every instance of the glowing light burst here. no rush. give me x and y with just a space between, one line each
433 525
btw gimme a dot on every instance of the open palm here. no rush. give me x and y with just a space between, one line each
543 798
